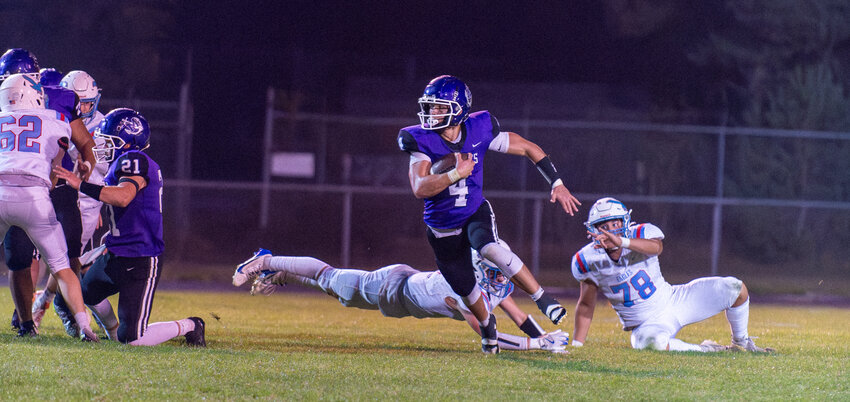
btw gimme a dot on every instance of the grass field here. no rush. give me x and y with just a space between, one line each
307 346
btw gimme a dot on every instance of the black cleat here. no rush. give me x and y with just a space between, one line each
16 321
552 308
27 329
490 337
196 336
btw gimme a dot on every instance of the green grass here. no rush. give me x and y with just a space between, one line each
307 346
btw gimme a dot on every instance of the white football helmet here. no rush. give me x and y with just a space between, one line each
608 209
19 91
489 276
86 88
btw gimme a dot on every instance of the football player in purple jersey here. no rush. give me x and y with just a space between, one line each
131 266
456 213
66 102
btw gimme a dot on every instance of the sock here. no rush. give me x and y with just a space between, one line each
160 332
186 326
739 318
105 317
676 345
43 299
304 266
538 294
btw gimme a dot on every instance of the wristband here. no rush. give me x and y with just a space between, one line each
626 242
557 183
531 328
454 176
91 190
547 169
577 343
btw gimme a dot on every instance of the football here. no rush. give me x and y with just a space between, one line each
446 163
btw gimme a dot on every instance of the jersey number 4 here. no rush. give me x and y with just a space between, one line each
26 140
460 190
642 285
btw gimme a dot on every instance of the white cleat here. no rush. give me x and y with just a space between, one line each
251 268
39 307
748 345
709 346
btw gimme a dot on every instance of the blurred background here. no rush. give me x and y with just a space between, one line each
725 123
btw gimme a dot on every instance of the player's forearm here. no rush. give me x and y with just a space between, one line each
644 246
583 318
513 342
83 141
431 185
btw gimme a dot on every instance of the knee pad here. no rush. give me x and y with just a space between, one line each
650 340
505 259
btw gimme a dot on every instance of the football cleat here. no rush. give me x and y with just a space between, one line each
552 309
67 317
712 346
16 321
267 282
39 307
196 337
490 337
748 345
249 269
27 329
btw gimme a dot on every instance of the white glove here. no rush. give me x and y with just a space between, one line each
555 341
267 283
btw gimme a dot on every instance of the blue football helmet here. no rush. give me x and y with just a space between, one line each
609 209
19 61
489 276
50 76
122 130
447 91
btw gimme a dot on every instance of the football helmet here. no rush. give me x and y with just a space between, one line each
448 91
50 76
489 276
20 91
19 61
122 130
86 88
608 209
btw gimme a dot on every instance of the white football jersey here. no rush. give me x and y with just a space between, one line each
100 168
634 284
29 140
427 291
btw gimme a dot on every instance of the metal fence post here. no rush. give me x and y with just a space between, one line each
717 216
537 228
267 149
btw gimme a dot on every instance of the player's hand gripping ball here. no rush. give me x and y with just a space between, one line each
447 163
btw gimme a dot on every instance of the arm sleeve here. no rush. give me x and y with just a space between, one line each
512 342
501 142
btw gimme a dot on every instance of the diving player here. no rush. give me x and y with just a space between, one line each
132 265
400 291
456 214
622 263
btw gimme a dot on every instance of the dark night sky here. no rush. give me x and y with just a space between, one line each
241 49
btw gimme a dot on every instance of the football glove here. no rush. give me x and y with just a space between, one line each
555 341
267 283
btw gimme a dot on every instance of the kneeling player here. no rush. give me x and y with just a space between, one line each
131 267
622 263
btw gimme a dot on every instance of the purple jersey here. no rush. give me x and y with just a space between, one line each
65 101
454 205
137 228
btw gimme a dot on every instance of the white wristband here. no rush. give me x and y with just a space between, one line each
454 176
557 183
577 343
626 242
